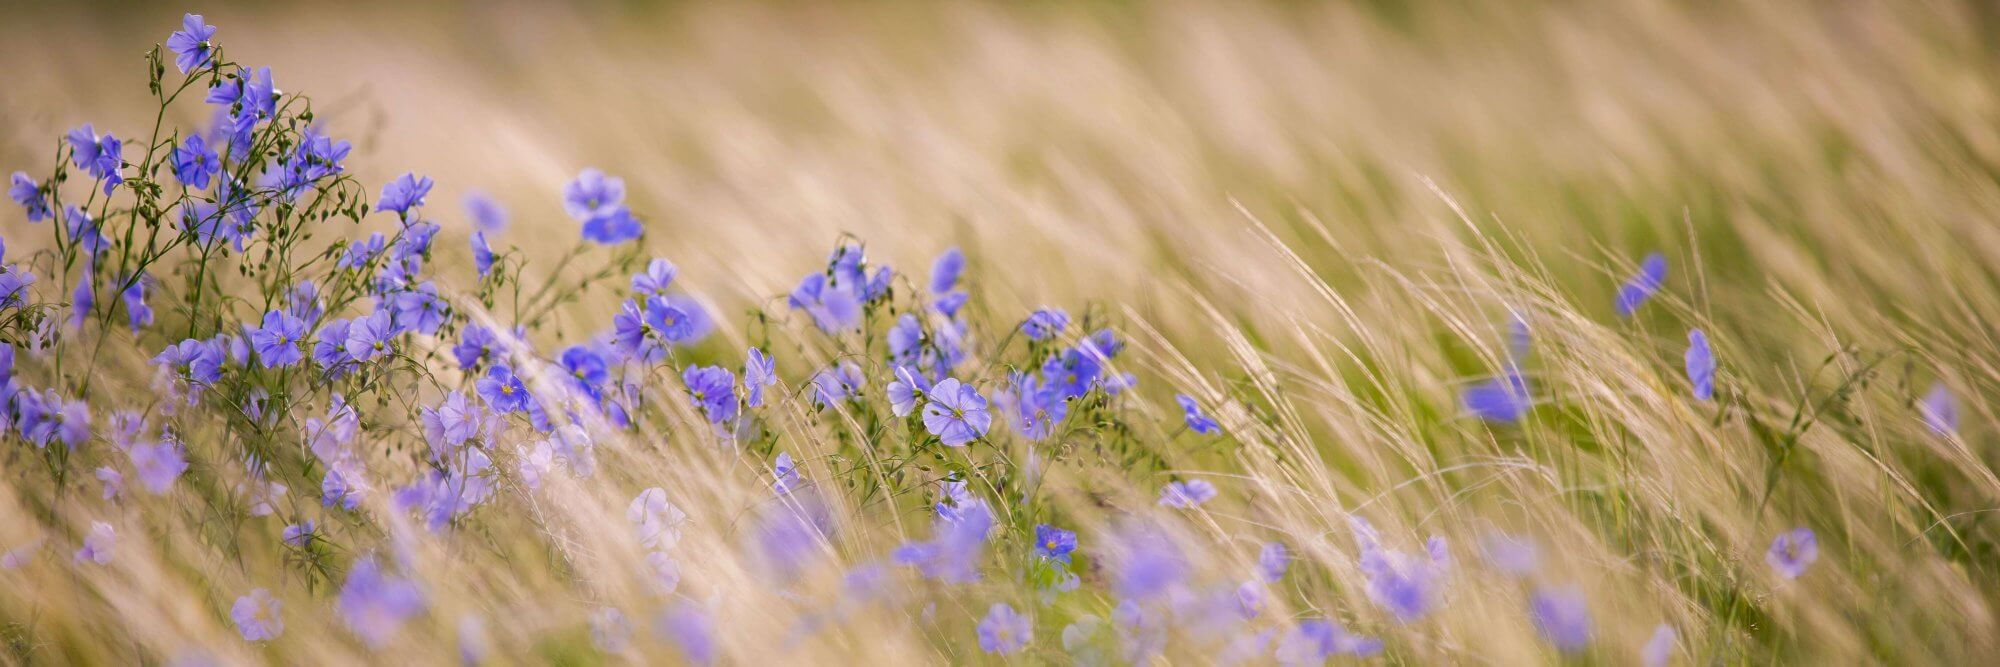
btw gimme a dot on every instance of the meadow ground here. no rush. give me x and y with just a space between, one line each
1379 285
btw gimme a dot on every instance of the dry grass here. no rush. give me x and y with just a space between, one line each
1316 218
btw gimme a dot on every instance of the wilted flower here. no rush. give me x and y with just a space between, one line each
1793 551
257 616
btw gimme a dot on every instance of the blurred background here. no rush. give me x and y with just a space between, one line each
1348 196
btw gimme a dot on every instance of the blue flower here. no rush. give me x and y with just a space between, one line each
194 163
376 604
487 215
836 383
330 350
482 254
834 308
1312 641
613 227
945 271
759 372
587 368
633 335
956 413
248 95
1145 561
1191 493
1196 421
450 424
158 464
906 390
1003 631
97 155
714 390
82 300
135 298
690 630
1502 399
1407 585
190 43
784 474
1045 323
658 276
420 309
277 341
1054 543
406 192
593 194
299 534
1634 293
1562 615
1793 551
673 324
26 192
1272 561
475 347
369 337
503 392
1939 411
952 555
1032 406
1700 365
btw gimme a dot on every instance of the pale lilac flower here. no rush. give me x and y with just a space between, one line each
375 604
1003 631
656 521
1939 411
113 481
98 545
1659 650
1562 615
1793 551
257 616
1187 494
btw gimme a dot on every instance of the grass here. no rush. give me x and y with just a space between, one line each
1316 220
